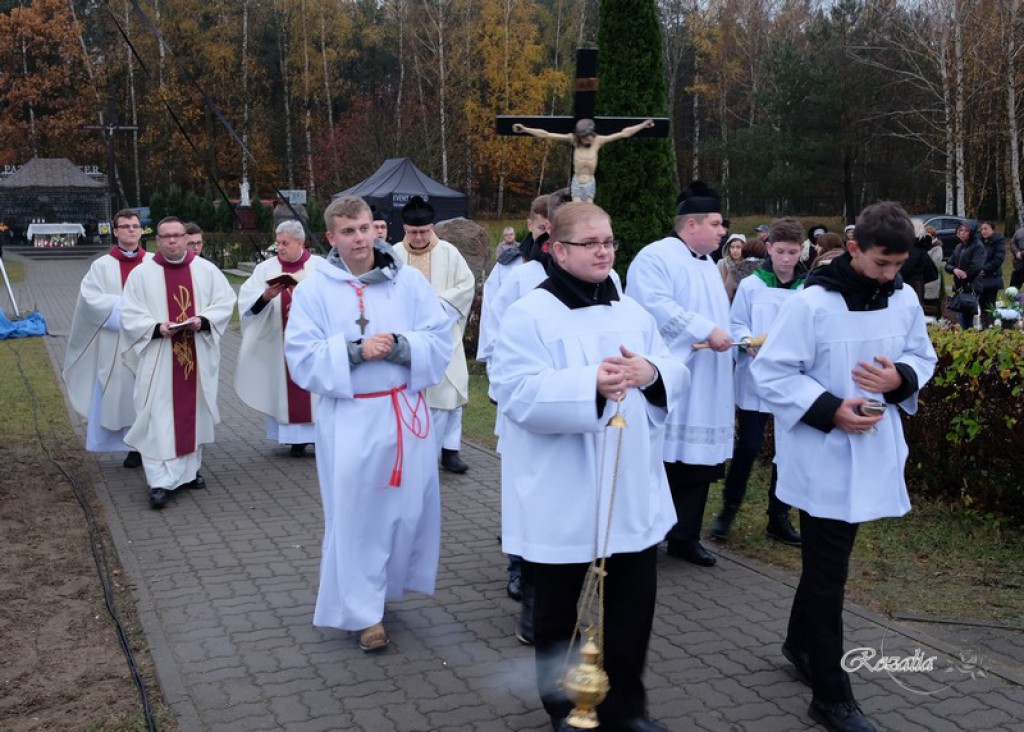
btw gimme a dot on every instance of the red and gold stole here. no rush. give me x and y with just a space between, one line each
300 401
181 305
127 263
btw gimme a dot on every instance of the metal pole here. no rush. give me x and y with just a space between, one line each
10 292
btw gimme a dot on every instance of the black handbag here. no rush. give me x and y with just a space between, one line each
964 302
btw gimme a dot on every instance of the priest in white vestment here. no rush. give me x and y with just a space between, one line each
447 272
176 307
368 336
676 281
99 384
854 334
264 301
569 355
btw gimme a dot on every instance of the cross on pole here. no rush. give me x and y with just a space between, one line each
109 130
583 131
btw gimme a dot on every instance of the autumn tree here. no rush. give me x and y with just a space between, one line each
45 89
512 80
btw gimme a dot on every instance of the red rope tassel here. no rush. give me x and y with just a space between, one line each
415 426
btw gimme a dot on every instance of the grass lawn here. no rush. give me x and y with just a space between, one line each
16 422
936 561
15 270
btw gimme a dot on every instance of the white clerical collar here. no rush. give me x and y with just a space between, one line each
133 253
178 260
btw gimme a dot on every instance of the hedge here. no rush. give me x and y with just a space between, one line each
963 440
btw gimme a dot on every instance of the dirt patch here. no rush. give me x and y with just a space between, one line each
61 665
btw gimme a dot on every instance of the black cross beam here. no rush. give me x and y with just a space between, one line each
584 99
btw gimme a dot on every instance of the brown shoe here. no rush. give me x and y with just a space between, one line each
374 638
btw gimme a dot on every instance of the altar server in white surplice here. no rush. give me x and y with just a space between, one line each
262 379
99 384
566 353
368 336
448 273
176 307
676 281
854 334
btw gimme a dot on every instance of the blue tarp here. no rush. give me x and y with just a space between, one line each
30 325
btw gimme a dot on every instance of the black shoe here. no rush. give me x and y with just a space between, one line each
298 450
515 589
841 716
198 482
692 551
133 460
801 660
781 529
719 528
642 724
451 461
157 498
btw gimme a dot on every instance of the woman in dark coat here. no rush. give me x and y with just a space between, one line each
991 280
966 264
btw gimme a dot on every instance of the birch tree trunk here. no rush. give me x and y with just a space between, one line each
695 168
133 104
1013 47
282 55
245 90
328 97
31 107
399 110
959 106
308 121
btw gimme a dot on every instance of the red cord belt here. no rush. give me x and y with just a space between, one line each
419 428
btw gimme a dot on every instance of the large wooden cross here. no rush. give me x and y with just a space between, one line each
109 129
584 101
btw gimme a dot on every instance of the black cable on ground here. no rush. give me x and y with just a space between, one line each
97 547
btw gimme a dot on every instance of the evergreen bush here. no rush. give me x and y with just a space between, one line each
963 439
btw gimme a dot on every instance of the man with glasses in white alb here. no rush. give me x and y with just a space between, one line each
99 384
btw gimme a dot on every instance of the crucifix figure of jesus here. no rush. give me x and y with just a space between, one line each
584 131
585 145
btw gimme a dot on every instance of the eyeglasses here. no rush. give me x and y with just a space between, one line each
593 246
129 227
182 235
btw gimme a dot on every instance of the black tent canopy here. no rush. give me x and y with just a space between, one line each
397 180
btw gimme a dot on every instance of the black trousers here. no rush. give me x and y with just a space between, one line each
689 485
750 426
816 620
630 590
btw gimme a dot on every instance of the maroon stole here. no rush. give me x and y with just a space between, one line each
181 305
127 263
300 401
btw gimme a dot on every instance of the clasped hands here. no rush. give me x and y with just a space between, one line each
615 374
193 324
377 346
879 379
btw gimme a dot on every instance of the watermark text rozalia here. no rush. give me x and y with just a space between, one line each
868 659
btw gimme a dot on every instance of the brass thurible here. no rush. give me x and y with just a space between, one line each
586 685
